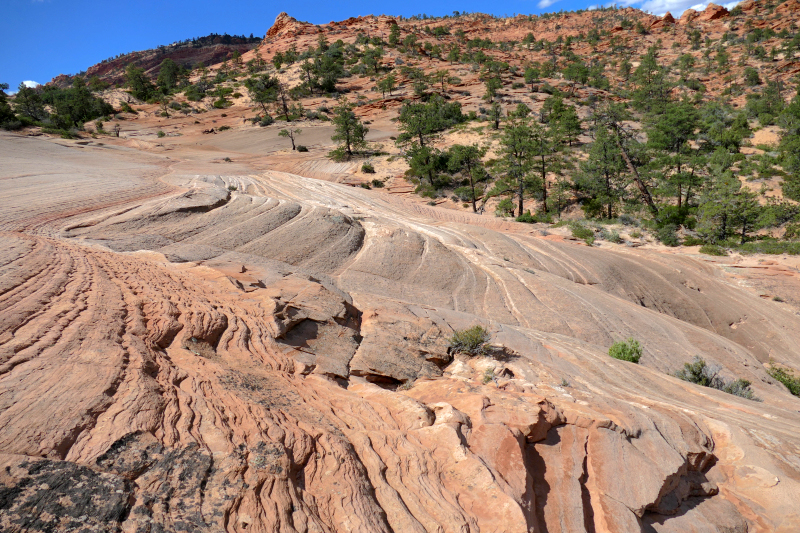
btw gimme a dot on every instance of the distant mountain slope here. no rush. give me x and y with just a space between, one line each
209 50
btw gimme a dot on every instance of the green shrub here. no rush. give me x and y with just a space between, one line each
770 247
610 236
378 184
792 383
629 350
367 168
582 232
713 249
161 134
505 208
126 108
470 341
301 148
223 128
705 375
528 218
667 235
792 231
689 240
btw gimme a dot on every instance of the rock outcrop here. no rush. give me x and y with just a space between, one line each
267 360
286 26
712 12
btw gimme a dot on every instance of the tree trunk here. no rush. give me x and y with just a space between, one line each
472 185
544 182
521 192
648 199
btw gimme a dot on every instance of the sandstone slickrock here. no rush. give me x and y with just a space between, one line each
185 357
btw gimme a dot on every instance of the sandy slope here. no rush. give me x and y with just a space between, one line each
177 356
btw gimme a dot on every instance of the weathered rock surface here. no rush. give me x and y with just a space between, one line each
275 359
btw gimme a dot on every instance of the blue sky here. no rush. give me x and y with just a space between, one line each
44 38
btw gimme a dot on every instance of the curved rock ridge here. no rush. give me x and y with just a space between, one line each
275 358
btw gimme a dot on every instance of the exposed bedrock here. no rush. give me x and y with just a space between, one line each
217 361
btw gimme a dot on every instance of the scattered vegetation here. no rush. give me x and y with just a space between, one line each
705 375
791 381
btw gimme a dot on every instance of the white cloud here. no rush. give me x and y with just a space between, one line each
31 84
677 7
543 4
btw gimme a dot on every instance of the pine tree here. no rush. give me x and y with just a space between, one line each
569 124
6 114
468 161
29 103
387 84
726 208
602 174
349 130
670 134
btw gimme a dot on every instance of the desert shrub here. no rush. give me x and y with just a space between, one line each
610 236
771 247
161 134
528 218
266 120
629 350
378 184
667 235
366 185
505 208
367 168
223 128
705 375
713 249
301 148
470 341
792 231
627 220
232 187
488 376
690 240
792 383
582 232
126 108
